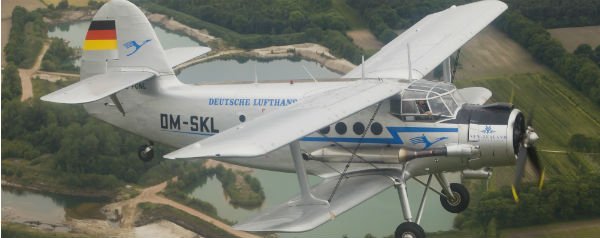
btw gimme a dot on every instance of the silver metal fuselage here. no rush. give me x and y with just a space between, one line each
176 114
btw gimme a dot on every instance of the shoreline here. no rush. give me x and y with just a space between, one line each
307 51
61 191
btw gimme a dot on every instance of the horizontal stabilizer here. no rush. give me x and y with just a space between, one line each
290 218
177 56
97 87
264 134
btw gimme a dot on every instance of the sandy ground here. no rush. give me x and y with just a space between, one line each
365 39
129 210
308 51
173 25
492 54
574 36
27 74
163 229
7 9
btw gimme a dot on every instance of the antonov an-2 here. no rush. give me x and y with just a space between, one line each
376 127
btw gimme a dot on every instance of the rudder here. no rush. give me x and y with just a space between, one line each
120 36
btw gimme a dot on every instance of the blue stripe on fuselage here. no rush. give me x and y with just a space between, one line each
396 140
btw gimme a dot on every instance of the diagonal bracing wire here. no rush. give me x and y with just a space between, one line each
354 153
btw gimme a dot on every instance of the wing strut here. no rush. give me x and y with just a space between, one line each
306 198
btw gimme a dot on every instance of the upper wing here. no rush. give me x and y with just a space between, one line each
271 131
180 55
97 87
431 41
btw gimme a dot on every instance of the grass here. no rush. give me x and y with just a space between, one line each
560 112
353 18
580 229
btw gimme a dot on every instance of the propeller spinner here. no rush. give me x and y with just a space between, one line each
524 140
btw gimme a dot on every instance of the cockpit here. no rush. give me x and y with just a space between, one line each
425 100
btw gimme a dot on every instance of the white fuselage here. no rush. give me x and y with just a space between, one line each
169 112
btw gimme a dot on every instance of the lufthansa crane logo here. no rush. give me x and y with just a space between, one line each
423 140
137 46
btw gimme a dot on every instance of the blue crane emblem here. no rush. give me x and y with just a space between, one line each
423 139
137 46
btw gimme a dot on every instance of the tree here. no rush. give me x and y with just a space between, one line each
11 83
585 50
63 4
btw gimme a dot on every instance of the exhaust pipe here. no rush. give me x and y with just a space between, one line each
484 173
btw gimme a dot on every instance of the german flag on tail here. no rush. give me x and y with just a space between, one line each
102 35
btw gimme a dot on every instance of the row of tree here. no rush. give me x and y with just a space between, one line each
339 44
581 72
563 198
262 16
586 51
559 13
385 16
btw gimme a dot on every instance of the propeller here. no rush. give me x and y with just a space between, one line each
526 138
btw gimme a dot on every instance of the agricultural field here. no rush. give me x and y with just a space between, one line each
492 54
582 229
572 37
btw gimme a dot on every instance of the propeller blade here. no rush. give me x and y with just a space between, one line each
530 119
520 169
537 165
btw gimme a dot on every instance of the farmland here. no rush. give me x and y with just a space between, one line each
574 36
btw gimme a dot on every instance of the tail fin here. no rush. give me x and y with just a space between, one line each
120 36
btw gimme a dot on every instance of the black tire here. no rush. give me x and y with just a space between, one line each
409 229
462 199
145 156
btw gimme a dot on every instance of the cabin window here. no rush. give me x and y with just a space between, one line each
341 128
376 128
324 130
358 128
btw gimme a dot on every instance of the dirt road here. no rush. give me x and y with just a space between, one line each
26 74
150 194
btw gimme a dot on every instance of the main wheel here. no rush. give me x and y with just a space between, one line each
461 201
409 230
146 153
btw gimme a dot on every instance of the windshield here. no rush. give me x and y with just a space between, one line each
427 98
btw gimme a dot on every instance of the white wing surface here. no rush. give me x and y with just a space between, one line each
276 129
431 41
97 87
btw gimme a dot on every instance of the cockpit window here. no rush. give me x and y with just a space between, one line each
450 102
425 100
438 107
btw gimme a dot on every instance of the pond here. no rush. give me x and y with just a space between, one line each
21 205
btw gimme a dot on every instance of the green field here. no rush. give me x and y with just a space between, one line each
560 112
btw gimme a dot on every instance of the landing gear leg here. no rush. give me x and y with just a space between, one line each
408 229
455 197
146 152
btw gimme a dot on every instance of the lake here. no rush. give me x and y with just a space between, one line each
21 205
378 216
